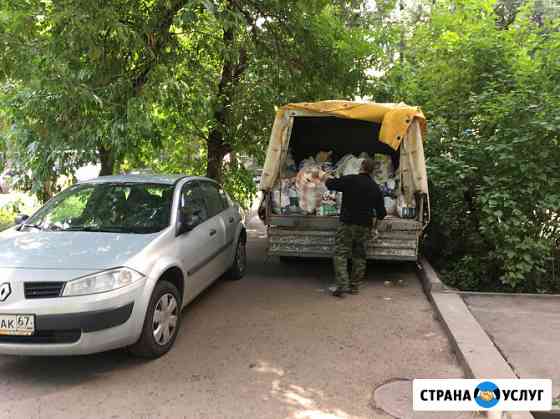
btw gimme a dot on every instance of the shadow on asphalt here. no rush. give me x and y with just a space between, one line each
76 369
35 370
272 269
72 370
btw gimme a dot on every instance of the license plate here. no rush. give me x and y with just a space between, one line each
17 324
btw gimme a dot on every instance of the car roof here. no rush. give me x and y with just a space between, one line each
144 178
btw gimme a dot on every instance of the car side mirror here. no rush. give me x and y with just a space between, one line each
20 218
187 222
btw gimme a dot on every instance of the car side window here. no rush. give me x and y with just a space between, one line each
192 202
213 198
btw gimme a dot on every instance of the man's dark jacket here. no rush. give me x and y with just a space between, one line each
361 199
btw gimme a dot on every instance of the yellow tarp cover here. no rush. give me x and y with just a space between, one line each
394 118
397 122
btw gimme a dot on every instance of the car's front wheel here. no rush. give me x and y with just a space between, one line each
162 322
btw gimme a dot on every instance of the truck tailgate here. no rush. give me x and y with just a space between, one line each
397 238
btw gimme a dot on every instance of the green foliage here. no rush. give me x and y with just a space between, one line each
71 208
239 183
491 94
140 84
7 218
14 204
19 203
175 86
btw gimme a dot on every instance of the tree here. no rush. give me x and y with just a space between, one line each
87 65
118 82
490 92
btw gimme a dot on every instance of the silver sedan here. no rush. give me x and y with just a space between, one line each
111 262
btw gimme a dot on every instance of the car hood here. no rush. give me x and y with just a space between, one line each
69 250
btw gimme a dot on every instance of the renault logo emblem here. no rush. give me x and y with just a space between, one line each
5 291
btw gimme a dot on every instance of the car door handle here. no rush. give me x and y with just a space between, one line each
212 232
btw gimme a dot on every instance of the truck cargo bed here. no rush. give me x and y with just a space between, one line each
311 236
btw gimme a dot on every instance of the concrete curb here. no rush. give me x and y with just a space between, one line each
509 294
430 280
476 352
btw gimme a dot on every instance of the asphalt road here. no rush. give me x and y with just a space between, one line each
274 345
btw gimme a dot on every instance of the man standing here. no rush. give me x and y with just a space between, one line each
360 197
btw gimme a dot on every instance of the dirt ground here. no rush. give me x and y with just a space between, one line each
274 345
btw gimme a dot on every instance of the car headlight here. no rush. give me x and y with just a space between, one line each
101 282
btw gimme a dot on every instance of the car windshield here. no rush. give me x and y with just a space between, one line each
140 208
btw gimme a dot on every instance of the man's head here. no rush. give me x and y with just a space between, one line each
367 166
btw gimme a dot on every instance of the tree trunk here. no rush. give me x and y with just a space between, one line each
47 190
217 150
217 143
107 159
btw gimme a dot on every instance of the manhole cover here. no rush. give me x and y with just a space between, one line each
395 398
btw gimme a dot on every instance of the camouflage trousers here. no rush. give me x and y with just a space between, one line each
351 243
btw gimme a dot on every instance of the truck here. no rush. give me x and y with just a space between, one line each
340 127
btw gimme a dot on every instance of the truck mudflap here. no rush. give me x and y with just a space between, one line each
391 240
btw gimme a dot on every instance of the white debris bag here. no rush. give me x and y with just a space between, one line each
382 168
310 188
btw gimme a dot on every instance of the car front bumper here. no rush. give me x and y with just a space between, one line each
106 321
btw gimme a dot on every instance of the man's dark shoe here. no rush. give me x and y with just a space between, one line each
339 292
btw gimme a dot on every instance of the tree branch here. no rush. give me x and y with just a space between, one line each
157 40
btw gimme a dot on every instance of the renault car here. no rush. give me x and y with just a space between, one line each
111 262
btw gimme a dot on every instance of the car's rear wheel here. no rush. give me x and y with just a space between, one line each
239 266
162 322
